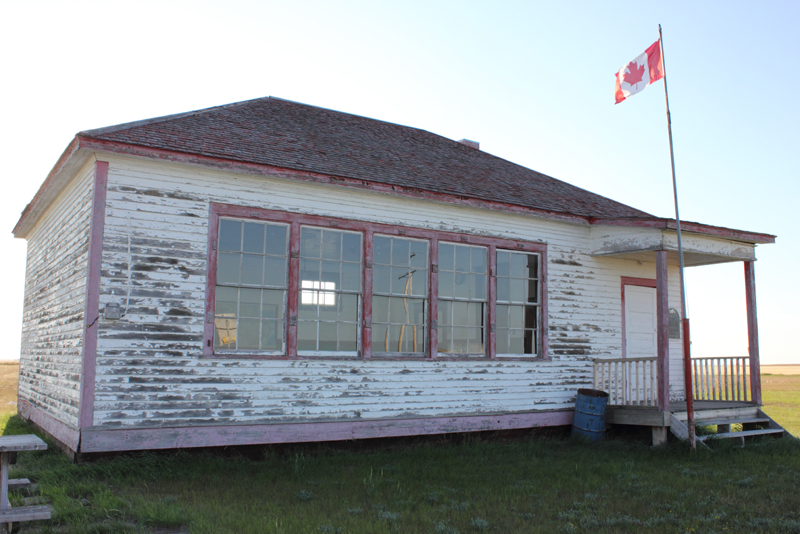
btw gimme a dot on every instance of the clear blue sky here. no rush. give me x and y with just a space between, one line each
531 81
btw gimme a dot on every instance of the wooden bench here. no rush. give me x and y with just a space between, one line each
9 447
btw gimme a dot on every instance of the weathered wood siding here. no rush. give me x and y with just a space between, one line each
150 369
55 300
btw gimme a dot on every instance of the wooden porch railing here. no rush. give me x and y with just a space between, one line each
628 381
725 378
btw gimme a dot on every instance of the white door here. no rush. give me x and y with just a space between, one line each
640 322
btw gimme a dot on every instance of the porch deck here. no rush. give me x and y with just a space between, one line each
652 416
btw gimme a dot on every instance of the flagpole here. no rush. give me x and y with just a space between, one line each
687 370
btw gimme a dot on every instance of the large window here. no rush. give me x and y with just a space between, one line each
399 296
330 291
286 285
462 299
250 287
517 303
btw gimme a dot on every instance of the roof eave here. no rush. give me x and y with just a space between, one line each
688 226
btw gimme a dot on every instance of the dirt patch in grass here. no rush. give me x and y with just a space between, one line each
9 379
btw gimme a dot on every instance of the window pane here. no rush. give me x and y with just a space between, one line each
533 266
461 286
379 339
330 273
400 252
276 240
348 339
462 259
419 254
275 271
518 263
503 268
528 342
445 312
446 257
477 290
328 311
310 239
502 316
503 289
253 240
271 335
502 341
533 291
381 251
478 260
460 339
252 269
517 290
381 279
248 334
309 271
228 268
327 337
516 345
351 247
225 332
400 281
348 308
249 302
308 307
515 319
394 339
272 304
475 314
230 235
461 313
530 317
380 309
446 284
331 245
419 283
445 339
397 313
475 341
351 277
416 311
307 335
226 300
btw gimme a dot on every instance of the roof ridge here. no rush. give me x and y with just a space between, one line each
164 118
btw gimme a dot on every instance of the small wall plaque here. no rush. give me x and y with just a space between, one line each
113 311
674 324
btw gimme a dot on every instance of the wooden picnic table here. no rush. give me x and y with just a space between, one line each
9 447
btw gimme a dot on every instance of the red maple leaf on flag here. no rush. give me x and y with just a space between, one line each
634 74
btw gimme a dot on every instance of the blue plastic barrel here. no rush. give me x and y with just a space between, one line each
590 414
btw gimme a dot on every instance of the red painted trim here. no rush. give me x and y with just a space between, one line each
92 316
93 441
752 331
295 220
226 164
631 281
211 289
366 324
433 287
492 315
662 321
686 226
62 432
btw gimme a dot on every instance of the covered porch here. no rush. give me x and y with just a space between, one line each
726 390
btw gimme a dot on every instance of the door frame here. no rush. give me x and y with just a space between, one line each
631 281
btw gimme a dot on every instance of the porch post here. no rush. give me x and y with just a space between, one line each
662 322
752 331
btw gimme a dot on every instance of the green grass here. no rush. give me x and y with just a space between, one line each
781 397
439 486
448 486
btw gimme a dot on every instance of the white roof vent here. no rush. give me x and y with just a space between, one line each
472 144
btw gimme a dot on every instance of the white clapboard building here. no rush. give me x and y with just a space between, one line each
271 272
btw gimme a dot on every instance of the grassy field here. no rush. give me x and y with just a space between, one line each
781 398
476 483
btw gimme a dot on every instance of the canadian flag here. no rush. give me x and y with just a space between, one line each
639 73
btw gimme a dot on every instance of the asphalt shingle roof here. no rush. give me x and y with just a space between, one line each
280 133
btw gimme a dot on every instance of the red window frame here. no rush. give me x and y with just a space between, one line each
368 229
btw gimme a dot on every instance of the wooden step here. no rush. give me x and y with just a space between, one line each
24 513
743 411
731 421
742 434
